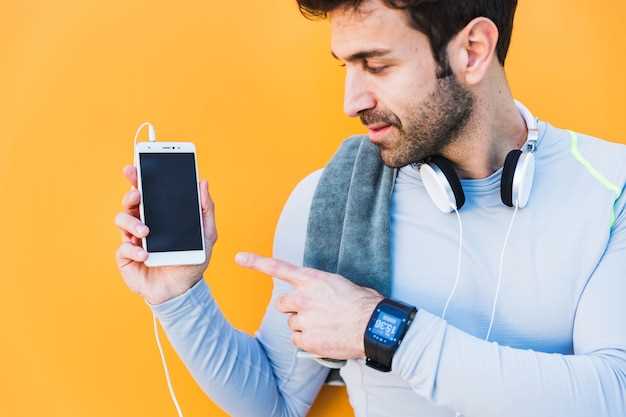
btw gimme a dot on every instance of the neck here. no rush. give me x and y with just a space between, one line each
495 128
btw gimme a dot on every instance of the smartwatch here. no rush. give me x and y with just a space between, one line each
384 332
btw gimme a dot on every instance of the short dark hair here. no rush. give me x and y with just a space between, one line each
439 20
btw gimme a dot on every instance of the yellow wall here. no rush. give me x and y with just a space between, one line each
255 88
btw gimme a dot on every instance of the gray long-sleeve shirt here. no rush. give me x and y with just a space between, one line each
558 346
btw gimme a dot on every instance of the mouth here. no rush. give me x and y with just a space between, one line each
377 131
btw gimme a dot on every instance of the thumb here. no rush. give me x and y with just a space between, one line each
208 211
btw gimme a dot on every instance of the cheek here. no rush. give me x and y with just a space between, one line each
402 89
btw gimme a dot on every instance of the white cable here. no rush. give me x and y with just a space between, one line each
167 373
152 138
458 265
151 132
495 300
327 362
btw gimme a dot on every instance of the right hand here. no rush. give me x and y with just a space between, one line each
157 284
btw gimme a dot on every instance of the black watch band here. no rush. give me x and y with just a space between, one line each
385 330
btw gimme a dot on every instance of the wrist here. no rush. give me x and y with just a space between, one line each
197 298
385 331
167 292
367 310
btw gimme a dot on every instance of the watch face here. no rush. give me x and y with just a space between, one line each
386 327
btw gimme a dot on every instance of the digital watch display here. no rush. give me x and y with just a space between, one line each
384 332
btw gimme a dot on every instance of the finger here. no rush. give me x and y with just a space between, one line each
134 213
282 270
294 322
131 200
288 303
205 196
130 172
128 253
208 212
298 340
127 237
132 225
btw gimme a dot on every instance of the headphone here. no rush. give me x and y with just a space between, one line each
444 186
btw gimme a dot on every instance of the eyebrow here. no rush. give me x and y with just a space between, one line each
369 53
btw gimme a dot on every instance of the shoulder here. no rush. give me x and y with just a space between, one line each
599 156
290 233
291 229
351 145
302 194
354 141
593 169
572 157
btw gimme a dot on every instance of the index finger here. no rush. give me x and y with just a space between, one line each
282 270
130 172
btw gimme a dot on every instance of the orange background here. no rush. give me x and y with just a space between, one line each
255 88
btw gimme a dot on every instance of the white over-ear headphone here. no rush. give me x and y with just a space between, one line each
444 187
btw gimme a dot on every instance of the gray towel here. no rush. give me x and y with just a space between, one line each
348 226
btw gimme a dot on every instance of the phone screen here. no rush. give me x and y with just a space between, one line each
170 201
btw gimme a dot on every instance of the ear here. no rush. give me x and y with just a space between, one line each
472 50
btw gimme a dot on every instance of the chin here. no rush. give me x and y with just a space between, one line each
389 153
390 159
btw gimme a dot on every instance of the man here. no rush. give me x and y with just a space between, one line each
427 78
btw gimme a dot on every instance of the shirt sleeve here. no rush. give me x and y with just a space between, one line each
247 375
479 378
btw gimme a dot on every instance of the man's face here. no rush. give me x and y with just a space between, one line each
392 84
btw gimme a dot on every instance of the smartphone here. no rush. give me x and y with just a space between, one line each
167 179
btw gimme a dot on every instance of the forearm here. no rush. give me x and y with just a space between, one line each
231 367
478 378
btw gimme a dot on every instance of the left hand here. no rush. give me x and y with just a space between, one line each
328 313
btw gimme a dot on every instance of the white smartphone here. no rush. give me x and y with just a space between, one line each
167 179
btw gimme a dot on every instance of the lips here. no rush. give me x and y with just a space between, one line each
377 126
378 130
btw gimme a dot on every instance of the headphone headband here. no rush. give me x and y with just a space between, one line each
531 125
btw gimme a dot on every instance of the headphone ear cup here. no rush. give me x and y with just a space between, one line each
508 173
453 181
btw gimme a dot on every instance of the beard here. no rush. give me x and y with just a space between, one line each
432 124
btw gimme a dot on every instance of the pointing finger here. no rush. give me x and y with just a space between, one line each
282 270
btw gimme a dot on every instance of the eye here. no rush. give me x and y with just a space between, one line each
374 70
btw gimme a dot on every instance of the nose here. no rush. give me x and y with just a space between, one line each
357 96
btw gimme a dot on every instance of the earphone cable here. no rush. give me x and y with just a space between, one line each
458 266
495 301
152 138
167 373
151 132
